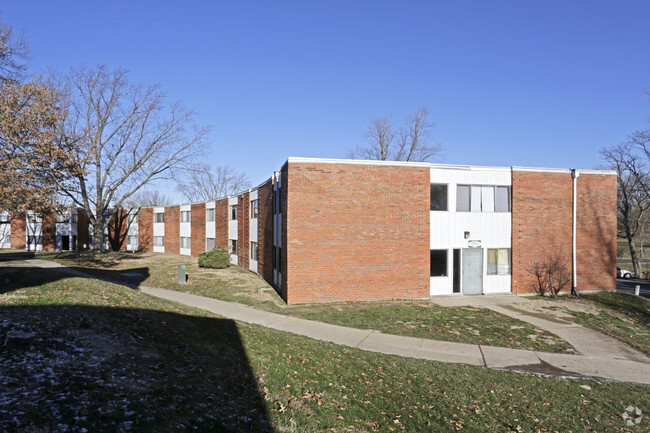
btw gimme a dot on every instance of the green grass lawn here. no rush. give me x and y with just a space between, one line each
620 315
421 319
107 358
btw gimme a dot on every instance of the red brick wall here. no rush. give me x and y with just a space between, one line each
356 232
117 230
145 229
198 229
284 183
49 231
221 223
82 229
243 230
265 231
18 230
542 226
173 229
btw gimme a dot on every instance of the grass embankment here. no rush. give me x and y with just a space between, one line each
620 315
107 358
421 319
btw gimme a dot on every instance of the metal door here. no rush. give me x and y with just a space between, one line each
473 271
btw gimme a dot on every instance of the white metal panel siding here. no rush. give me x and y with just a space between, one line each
158 229
5 230
185 229
492 229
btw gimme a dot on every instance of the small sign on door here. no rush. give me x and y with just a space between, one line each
474 243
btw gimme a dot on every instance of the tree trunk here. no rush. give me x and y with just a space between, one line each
98 235
636 264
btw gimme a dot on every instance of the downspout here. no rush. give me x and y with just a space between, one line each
574 175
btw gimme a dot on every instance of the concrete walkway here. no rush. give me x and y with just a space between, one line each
600 356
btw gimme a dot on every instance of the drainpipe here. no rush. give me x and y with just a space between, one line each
574 175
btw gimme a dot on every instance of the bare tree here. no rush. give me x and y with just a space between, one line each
552 274
209 183
412 142
14 52
125 136
633 201
148 198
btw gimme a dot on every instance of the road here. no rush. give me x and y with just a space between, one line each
629 285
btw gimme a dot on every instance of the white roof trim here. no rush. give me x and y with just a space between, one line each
562 170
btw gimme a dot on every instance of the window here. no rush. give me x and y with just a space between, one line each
134 220
502 199
5 218
254 210
185 216
438 197
132 240
186 242
498 261
253 250
34 218
482 198
209 243
233 212
34 240
438 263
209 215
73 218
62 218
158 241
232 246
159 217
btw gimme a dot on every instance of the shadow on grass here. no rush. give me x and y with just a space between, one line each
69 368
18 277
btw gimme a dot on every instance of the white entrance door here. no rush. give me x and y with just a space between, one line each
473 271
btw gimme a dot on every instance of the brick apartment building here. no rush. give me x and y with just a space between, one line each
323 230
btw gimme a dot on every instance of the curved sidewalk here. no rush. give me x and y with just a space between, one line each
602 357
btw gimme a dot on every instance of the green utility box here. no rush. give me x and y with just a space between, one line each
182 276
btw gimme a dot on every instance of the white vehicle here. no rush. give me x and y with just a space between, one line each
624 273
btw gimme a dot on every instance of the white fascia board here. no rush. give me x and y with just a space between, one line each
296 160
563 170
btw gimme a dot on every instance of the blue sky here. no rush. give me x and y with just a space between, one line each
527 83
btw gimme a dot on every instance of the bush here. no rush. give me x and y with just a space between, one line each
552 275
218 258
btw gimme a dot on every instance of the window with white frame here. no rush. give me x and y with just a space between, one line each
209 244
254 208
233 212
232 246
498 261
159 217
185 216
482 198
438 197
35 218
209 215
186 242
132 240
253 250
158 241
34 240
62 218
438 263
134 220
73 218
5 218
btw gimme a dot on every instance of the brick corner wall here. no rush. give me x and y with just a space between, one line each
542 227
145 229
265 231
356 232
18 230
49 231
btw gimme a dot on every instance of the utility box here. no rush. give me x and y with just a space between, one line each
182 276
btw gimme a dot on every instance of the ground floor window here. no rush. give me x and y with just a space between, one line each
438 263
253 250
158 241
209 243
132 240
498 261
186 242
232 246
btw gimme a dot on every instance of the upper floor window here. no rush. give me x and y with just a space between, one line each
35 218
209 215
233 212
62 218
254 208
482 198
438 197
185 216
159 217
